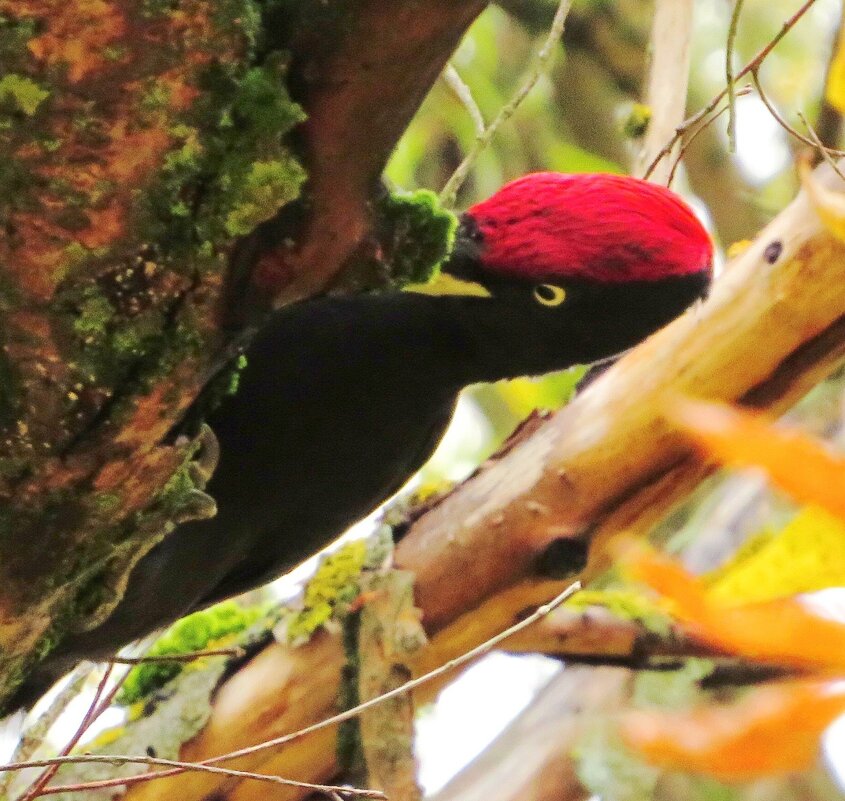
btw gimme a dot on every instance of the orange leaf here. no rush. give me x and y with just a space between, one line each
798 464
782 631
667 577
773 730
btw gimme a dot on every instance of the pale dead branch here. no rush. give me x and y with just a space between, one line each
666 97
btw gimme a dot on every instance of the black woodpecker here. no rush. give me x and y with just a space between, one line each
344 398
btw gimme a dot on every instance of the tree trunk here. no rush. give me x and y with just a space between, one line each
151 201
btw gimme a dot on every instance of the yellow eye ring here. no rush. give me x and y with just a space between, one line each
549 294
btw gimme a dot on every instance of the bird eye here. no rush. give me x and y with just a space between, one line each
549 294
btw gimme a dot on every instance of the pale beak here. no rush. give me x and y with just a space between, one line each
445 284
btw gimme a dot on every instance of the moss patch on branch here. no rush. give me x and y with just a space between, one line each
412 233
214 627
415 234
21 93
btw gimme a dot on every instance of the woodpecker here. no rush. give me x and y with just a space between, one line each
344 398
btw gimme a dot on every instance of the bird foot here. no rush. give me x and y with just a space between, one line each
190 504
206 456
195 505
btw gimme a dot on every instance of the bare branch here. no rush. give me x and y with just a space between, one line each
186 657
729 74
181 767
814 143
708 109
541 66
464 94
671 38
697 132
208 765
820 146
33 736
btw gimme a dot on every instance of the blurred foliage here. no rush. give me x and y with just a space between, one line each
807 554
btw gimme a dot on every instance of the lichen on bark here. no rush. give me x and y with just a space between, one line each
138 141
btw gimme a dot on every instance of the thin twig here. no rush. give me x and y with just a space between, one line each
541 64
33 735
185 657
181 767
99 704
784 124
751 65
34 790
730 81
210 763
820 147
695 134
755 77
464 94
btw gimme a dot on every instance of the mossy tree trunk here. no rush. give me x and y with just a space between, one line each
170 170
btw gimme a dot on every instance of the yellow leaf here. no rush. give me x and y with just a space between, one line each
834 92
735 248
808 554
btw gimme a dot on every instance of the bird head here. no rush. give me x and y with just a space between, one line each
589 264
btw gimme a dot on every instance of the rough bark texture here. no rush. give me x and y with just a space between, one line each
151 168
609 462
360 97
389 635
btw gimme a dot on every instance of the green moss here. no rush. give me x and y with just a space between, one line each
22 93
235 375
16 183
96 593
95 312
233 169
636 123
113 52
118 335
267 187
334 584
75 255
15 34
105 502
196 632
415 232
177 486
625 604
137 336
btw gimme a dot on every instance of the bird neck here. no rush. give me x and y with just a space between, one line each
434 343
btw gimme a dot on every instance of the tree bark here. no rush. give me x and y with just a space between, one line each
135 228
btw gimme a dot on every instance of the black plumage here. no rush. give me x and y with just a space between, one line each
343 399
